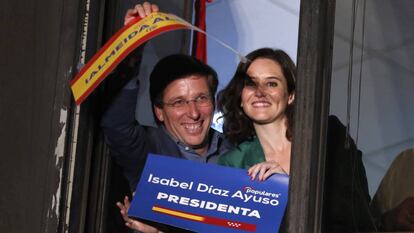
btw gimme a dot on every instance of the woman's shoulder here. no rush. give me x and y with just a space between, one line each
244 148
240 154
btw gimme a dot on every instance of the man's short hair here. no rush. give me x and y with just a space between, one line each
177 66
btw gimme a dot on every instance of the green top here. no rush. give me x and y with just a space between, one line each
244 156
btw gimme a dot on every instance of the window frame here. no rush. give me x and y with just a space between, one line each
315 48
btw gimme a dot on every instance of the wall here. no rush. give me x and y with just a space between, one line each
36 65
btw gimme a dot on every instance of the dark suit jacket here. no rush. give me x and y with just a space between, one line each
346 196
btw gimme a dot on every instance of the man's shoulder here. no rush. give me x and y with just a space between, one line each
160 142
154 132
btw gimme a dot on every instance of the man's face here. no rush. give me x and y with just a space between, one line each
187 111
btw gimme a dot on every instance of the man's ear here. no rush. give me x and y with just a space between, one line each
291 98
159 113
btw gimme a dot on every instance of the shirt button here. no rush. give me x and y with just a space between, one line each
187 148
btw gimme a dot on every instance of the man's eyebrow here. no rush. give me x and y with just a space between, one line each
175 98
183 97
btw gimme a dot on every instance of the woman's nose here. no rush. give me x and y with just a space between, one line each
259 91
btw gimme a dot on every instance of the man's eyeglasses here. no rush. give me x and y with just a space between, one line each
199 101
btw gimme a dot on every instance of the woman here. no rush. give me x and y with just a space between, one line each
257 108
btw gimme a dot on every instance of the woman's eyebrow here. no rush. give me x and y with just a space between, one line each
273 77
269 77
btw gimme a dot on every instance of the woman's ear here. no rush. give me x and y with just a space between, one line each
291 98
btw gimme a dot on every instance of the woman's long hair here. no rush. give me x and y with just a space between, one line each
238 127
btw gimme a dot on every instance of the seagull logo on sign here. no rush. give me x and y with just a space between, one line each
248 189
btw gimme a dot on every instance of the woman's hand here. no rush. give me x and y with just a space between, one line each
141 10
264 170
131 223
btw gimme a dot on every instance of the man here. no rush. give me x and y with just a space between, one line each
182 93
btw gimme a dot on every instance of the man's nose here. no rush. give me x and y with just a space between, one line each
193 111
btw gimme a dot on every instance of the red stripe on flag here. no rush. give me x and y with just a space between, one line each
210 220
101 50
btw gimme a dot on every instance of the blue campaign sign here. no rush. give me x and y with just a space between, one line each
207 197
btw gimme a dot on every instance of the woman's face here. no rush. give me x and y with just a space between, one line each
265 97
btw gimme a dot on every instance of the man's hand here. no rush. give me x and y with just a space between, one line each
131 223
264 170
140 10
401 218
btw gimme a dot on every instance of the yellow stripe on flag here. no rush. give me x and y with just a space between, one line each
118 47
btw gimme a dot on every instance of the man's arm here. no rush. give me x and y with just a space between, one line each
123 134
